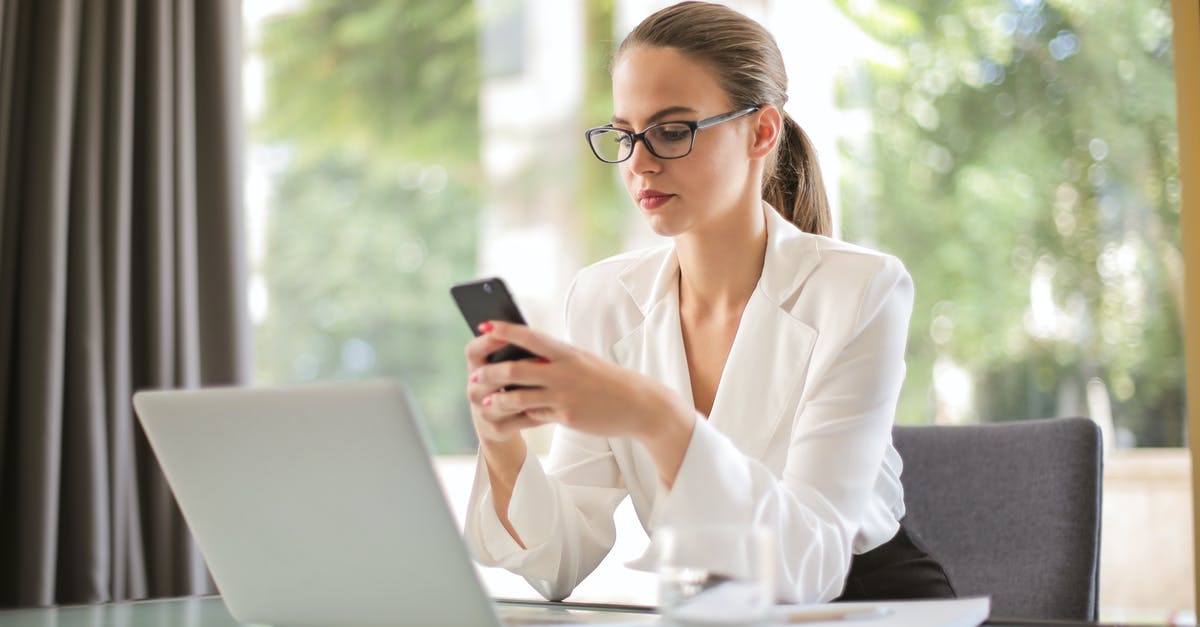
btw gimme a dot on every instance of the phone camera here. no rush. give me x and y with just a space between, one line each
487 288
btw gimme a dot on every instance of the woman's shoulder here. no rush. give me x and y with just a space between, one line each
847 262
813 258
850 285
842 249
832 284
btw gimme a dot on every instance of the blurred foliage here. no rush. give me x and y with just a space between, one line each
384 82
372 118
604 201
372 115
1022 161
1020 158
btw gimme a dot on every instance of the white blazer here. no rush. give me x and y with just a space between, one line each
799 437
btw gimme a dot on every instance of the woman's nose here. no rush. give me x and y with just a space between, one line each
642 160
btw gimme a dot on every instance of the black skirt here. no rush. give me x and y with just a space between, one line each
897 569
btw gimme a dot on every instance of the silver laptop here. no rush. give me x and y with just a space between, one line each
316 505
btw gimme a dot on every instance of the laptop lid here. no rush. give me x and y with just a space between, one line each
316 505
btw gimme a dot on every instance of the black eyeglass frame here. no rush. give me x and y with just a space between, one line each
635 137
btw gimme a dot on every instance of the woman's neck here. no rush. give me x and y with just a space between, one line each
720 262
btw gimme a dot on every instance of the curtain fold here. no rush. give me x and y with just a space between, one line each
121 268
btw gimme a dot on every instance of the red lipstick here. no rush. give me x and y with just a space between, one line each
652 198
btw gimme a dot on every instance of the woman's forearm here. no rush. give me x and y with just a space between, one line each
671 425
504 461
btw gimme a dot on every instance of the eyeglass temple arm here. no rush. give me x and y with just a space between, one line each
726 117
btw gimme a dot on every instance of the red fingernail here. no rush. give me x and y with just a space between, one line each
487 401
485 327
474 377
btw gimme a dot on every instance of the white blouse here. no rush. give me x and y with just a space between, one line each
799 437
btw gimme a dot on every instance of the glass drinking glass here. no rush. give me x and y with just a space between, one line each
715 574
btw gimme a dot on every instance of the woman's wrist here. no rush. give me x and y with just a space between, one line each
668 431
504 459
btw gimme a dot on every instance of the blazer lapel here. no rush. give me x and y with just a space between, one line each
655 347
763 375
767 367
767 364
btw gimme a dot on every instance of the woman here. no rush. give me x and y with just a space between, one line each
745 373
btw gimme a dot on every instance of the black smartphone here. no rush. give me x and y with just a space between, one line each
489 299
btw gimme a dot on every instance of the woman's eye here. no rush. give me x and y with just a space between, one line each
672 133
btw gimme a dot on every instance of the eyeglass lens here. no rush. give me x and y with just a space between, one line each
666 141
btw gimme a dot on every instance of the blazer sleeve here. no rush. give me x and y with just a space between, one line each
563 511
841 431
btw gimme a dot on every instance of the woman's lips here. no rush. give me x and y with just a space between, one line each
653 199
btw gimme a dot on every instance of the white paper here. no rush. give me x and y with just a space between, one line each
966 612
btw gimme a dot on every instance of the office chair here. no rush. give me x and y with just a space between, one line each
1011 510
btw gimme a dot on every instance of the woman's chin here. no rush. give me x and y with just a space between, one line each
663 225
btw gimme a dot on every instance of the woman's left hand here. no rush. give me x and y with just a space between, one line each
577 389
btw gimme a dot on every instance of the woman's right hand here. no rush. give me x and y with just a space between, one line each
492 427
500 441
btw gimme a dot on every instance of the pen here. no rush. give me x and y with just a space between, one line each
831 614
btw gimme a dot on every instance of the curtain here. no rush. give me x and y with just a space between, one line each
121 268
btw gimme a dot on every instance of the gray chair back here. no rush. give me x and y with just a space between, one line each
1011 510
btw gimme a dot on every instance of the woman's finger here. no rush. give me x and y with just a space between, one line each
478 349
524 372
533 341
516 423
488 413
477 392
517 401
541 415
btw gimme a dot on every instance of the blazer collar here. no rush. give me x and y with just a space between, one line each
791 255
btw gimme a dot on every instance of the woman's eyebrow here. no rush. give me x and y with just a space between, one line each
669 111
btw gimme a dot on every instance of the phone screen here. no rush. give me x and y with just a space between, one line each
489 299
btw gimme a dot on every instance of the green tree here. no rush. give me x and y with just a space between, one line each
1023 163
604 202
372 108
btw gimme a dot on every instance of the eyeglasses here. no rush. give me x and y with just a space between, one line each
665 140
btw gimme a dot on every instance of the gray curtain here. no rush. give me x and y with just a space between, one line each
121 268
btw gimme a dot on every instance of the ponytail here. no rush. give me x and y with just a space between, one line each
795 187
746 62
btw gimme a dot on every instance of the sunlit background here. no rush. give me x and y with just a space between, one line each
1020 157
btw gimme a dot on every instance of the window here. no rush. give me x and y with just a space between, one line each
1019 156
364 196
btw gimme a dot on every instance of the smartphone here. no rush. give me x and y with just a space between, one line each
489 299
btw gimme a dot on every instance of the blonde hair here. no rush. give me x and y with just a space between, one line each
747 64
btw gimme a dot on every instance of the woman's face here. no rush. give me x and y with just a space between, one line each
652 85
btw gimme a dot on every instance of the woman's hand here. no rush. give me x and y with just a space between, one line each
500 441
576 389
490 425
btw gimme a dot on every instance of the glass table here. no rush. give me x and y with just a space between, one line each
210 611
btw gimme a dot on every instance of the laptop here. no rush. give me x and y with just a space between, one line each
317 505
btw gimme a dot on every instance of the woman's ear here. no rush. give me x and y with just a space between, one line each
768 130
